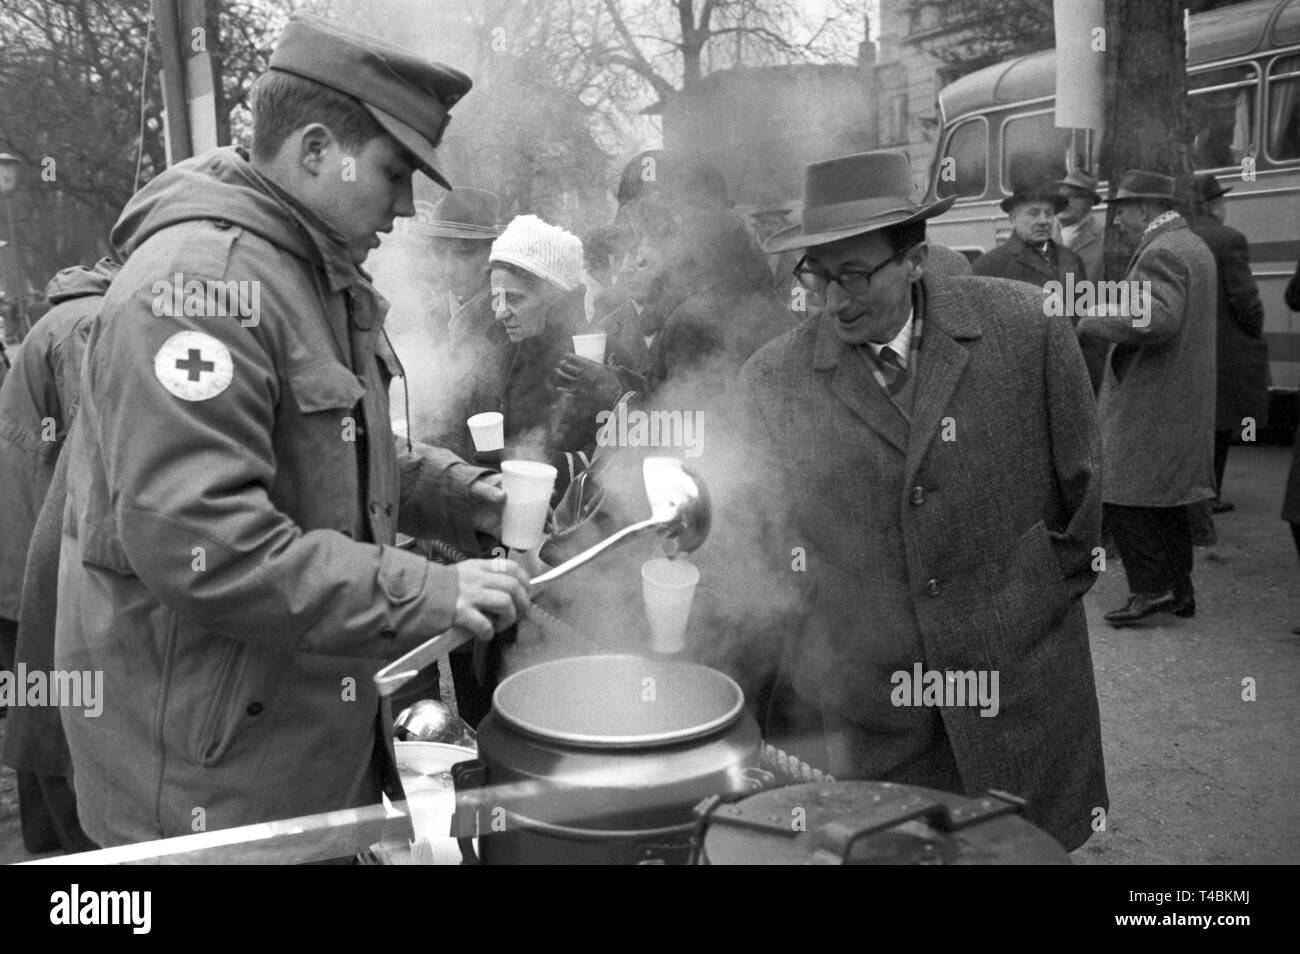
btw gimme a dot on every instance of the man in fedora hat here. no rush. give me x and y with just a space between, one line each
1157 397
1080 232
1241 354
935 453
460 230
234 488
1029 254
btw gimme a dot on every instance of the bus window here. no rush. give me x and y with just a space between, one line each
1284 108
963 170
1033 148
1223 115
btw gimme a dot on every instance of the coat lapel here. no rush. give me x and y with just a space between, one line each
948 322
1031 261
853 384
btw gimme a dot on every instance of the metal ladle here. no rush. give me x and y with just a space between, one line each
680 512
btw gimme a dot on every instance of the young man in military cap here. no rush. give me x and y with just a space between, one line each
235 488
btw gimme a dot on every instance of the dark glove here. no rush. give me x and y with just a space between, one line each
595 385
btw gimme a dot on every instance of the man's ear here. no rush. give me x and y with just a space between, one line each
916 261
314 141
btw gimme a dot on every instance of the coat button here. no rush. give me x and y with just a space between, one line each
388 634
918 496
254 708
932 588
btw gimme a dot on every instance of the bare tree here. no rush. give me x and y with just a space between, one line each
80 106
668 46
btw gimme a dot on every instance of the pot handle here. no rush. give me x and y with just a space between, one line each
468 778
835 840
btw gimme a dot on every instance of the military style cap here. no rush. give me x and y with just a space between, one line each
409 96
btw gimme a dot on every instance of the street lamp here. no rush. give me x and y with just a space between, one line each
8 181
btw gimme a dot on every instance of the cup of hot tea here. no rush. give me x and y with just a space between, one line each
668 587
487 431
528 485
591 347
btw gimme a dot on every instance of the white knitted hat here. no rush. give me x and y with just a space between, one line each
544 250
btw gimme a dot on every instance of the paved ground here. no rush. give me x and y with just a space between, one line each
1196 773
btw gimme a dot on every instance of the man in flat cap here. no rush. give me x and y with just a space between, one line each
933 444
234 487
1157 398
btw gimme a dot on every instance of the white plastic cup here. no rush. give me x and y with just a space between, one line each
488 431
431 813
528 485
668 587
591 347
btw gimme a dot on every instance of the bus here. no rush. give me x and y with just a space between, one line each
1243 65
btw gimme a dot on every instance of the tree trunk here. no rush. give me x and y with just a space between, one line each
1148 122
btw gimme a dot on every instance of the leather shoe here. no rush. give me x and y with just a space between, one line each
1183 606
1140 606
1222 506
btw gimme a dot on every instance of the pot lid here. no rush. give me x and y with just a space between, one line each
618 701
873 823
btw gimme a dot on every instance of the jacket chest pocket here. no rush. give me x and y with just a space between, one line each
316 446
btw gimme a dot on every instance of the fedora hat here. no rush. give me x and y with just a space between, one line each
1139 184
1035 192
1209 187
854 195
462 214
1083 182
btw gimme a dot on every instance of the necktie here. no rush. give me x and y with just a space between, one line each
892 370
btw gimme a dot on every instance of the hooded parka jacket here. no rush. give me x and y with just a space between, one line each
234 490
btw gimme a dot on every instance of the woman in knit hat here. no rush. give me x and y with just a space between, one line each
535 281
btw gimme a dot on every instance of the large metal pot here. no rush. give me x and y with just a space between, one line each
602 759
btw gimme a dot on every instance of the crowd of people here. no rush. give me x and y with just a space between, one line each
221 512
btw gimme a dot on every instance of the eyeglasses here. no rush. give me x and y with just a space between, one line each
854 281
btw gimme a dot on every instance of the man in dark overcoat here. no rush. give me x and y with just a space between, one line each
1241 354
934 446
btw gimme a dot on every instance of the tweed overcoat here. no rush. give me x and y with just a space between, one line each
1157 398
963 542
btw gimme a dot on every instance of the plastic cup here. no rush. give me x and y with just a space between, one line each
668 587
591 347
488 431
528 487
